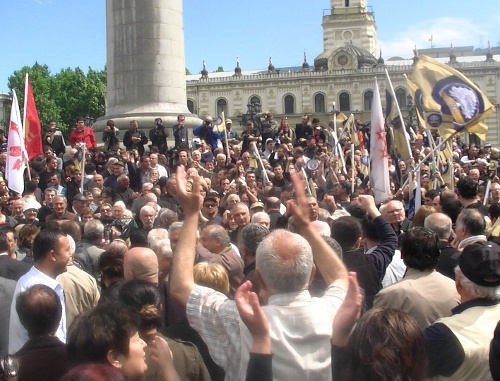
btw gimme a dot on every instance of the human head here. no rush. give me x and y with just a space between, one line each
420 249
134 125
478 272
51 248
93 231
421 214
39 310
466 188
108 334
261 218
174 232
215 238
386 344
470 222
440 224
346 230
241 214
284 262
141 263
147 215
394 212
211 275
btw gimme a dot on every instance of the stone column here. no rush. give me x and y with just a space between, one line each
145 63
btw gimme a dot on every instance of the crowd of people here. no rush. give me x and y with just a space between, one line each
259 255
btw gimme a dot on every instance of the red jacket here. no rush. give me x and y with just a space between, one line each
86 136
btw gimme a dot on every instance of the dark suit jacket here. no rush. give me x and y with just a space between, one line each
448 260
7 288
12 268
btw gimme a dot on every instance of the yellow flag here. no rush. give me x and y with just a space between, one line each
220 124
446 91
351 129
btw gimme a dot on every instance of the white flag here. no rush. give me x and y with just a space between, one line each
379 167
16 152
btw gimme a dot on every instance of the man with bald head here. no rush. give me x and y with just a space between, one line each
441 224
141 263
272 208
215 247
394 213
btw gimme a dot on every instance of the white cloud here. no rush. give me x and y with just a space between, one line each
444 31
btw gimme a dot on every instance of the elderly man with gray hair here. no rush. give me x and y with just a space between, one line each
299 324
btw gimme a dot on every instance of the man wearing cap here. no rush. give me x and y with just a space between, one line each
232 136
206 132
79 203
30 211
458 346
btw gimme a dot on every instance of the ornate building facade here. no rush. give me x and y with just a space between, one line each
343 73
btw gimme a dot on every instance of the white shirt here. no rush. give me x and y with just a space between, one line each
395 271
18 336
162 172
301 328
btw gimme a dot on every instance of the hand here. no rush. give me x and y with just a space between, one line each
161 354
254 318
189 201
367 203
299 209
348 313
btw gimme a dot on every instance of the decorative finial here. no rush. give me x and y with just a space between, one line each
489 55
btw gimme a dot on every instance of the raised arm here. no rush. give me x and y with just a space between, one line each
326 259
181 276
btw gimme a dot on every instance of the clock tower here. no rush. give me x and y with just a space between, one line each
349 21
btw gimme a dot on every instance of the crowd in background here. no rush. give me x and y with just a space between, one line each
252 255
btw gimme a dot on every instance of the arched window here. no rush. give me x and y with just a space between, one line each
367 100
401 97
346 3
221 107
255 99
289 104
190 105
319 103
344 101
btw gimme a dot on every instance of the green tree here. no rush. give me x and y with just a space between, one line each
42 84
220 69
188 72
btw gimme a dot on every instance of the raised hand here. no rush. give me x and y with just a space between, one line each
189 200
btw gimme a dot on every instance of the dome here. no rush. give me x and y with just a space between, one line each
305 65
271 68
364 57
380 60
204 72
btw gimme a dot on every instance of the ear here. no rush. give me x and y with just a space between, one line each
264 292
113 358
313 273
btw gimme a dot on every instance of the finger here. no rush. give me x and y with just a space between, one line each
298 186
181 178
353 291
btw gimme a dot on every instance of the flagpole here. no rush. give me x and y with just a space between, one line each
352 168
486 192
25 104
83 167
398 110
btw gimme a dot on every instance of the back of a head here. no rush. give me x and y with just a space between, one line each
421 214
73 229
92 335
111 263
251 236
420 248
138 238
284 261
369 230
94 372
212 275
39 310
451 207
467 187
386 345
141 263
440 224
144 298
346 230
4 242
93 230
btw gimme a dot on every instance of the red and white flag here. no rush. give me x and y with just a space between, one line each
16 152
32 126
379 166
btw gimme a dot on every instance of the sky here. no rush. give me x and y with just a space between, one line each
72 33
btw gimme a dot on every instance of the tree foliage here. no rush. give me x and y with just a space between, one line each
64 96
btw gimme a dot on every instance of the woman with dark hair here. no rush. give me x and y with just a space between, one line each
144 298
27 235
111 270
109 335
108 196
285 134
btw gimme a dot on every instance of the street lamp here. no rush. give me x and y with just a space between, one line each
253 114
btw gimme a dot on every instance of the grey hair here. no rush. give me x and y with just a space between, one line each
150 197
251 236
166 249
60 197
284 261
93 229
216 231
120 204
175 226
156 238
147 208
440 224
476 290
261 214
50 189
